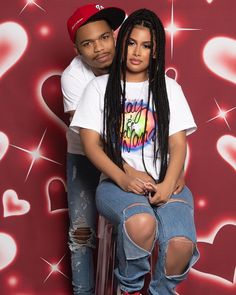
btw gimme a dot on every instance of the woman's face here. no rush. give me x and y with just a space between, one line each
138 55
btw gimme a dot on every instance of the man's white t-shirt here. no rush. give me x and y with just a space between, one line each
74 79
89 115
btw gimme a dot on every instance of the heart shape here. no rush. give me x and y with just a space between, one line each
56 195
172 73
187 159
4 144
51 98
215 259
13 44
8 250
219 55
226 147
12 205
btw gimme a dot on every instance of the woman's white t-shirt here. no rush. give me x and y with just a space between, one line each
89 114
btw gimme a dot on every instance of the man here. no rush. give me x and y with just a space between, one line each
91 29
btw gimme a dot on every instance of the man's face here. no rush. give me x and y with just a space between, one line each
96 45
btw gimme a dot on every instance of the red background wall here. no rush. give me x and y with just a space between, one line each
34 49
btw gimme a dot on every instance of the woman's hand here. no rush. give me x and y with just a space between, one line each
159 193
132 184
172 183
179 184
143 176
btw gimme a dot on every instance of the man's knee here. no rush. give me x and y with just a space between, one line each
82 235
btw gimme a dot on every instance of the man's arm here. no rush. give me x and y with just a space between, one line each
70 114
72 88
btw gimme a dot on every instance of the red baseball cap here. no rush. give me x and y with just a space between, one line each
113 15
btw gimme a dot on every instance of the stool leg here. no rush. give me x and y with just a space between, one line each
111 265
106 253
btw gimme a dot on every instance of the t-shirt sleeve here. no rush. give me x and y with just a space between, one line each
72 90
181 117
89 112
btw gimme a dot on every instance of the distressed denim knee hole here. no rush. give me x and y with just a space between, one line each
81 235
179 252
132 250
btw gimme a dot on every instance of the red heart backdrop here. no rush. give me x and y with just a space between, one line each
34 49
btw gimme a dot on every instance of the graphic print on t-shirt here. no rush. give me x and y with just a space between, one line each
134 125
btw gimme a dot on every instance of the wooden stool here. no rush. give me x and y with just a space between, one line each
105 258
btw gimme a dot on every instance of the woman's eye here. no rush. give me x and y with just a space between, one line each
148 46
131 42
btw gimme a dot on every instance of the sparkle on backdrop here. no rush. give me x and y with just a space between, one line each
54 268
31 2
173 30
36 155
222 114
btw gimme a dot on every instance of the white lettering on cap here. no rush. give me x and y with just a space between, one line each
78 21
99 7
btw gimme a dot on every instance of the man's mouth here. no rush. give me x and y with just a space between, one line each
102 57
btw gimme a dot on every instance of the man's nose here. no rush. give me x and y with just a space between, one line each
98 46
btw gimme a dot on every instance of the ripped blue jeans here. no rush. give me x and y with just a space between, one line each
173 220
82 180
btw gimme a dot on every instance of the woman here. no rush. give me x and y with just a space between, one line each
139 116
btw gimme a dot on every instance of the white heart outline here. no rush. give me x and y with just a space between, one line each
187 159
4 141
174 70
209 239
7 239
42 103
49 208
221 144
13 32
211 52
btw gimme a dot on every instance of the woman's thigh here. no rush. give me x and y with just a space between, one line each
113 203
176 218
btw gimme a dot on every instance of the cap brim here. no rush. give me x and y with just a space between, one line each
115 16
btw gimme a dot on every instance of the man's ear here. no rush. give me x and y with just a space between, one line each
114 35
76 49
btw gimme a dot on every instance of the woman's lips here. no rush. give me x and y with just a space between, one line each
134 61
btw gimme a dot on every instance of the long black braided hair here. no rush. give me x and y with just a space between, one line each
114 102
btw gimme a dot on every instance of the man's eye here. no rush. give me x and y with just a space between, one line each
86 44
104 37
